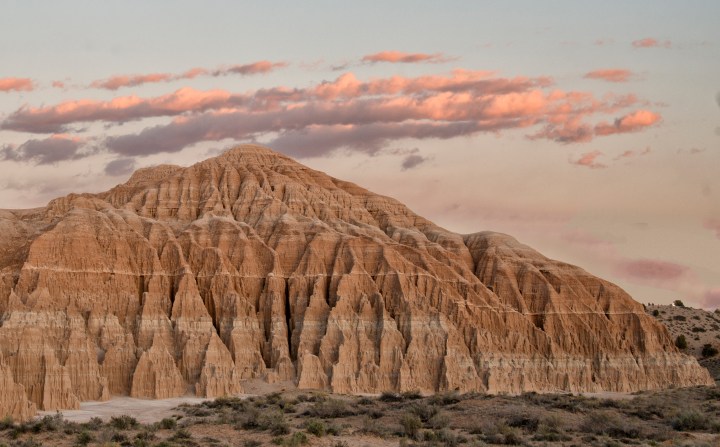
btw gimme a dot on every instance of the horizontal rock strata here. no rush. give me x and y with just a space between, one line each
253 266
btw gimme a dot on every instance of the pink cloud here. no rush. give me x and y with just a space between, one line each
16 85
610 75
116 82
632 154
58 84
713 225
344 112
631 122
405 58
589 160
652 269
120 81
650 42
121 109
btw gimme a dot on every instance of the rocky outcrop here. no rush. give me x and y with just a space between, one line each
252 266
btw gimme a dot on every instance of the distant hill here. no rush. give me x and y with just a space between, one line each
699 327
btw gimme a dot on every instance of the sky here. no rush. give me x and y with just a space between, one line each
587 130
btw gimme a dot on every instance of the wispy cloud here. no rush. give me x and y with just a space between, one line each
46 151
589 160
412 161
120 166
120 81
16 85
632 154
396 57
652 269
651 42
610 75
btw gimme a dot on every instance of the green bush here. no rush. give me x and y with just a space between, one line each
168 424
84 438
690 420
123 422
681 342
411 425
709 350
315 427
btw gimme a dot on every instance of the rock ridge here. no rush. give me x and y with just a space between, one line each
250 265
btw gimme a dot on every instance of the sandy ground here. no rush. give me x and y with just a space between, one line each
148 411
145 411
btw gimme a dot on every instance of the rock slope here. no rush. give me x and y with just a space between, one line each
250 265
699 327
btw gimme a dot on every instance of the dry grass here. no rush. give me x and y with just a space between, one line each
674 417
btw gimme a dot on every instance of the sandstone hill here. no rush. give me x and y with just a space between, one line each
250 265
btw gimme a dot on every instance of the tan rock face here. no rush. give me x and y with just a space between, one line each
250 265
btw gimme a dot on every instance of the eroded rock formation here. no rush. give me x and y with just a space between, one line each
250 265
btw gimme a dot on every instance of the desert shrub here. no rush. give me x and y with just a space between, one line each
439 420
444 437
681 342
389 396
375 413
502 434
698 329
365 401
411 424
94 423
709 350
603 422
252 443
690 420
445 398
678 303
525 421
655 313
48 423
315 427
679 318
118 437
235 403
275 423
334 430
168 424
6 422
424 411
148 434
330 408
123 422
411 395
298 438
84 438
341 444
372 427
